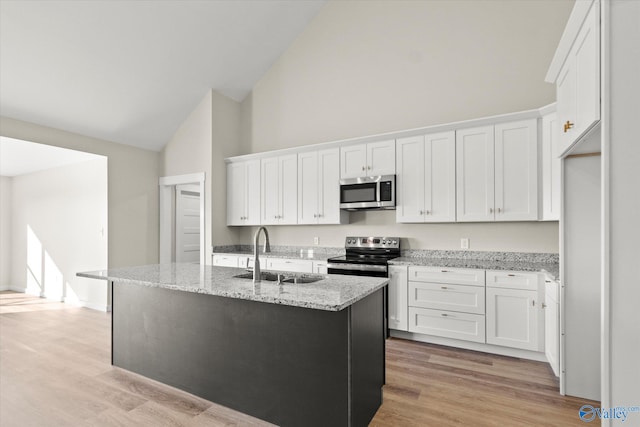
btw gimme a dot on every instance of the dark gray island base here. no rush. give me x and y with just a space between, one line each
289 365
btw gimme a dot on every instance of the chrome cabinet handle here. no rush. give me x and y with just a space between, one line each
369 167
499 210
544 305
490 210
363 168
443 287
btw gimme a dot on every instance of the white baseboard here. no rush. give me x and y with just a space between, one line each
469 345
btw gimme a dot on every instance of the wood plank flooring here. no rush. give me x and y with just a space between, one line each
55 371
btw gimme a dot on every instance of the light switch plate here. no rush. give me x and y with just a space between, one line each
316 240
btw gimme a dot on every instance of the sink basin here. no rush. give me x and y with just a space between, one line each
302 279
270 277
273 277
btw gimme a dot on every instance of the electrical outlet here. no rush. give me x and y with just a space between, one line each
464 243
316 240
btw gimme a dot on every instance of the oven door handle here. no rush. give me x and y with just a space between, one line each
357 267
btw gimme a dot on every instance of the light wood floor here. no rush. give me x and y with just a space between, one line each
55 371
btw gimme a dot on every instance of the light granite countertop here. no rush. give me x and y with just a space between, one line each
551 268
331 293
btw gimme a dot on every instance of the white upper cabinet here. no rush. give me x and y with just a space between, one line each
516 171
575 70
497 172
243 193
425 184
475 174
319 188
372 159
279 190
550 168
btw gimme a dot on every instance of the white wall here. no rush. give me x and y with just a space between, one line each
59 227
133 189
205 138
622 153
5 232
362 68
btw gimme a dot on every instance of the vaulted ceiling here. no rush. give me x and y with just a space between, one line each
131 71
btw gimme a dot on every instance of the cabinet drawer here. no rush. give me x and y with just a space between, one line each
457 276
225 261
459 298
320 267
294 265
449 324
513 280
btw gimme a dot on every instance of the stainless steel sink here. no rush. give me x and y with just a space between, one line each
270 277
302 279
273 277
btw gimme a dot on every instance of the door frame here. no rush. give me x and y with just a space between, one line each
167 184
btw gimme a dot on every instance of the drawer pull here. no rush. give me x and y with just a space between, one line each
511 275
444 315
443 287
444 271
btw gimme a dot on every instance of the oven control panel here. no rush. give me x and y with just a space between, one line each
373 242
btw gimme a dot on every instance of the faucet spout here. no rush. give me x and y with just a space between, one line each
256 260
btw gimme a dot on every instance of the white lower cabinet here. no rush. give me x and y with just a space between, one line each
447 302
397 301
225 260
448 324
461 298
293 265
320 267
514 317
552 325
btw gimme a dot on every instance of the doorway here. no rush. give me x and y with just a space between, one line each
182 228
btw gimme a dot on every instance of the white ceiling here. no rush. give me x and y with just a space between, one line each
131 71
19 157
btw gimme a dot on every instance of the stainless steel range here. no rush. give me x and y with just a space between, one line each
365 256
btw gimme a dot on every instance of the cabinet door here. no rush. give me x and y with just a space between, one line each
566 94
552 327
329 188
512 318
586 51
353 161
516 171
236 193
398 307
288 189
381 158
270 178
578 84
440 177
475 174
252 192
550 168
308 187
410 181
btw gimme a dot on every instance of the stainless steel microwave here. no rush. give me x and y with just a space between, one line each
371 192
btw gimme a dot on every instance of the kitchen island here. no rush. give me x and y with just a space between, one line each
289 353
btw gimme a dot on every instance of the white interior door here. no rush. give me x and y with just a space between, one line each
187 223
